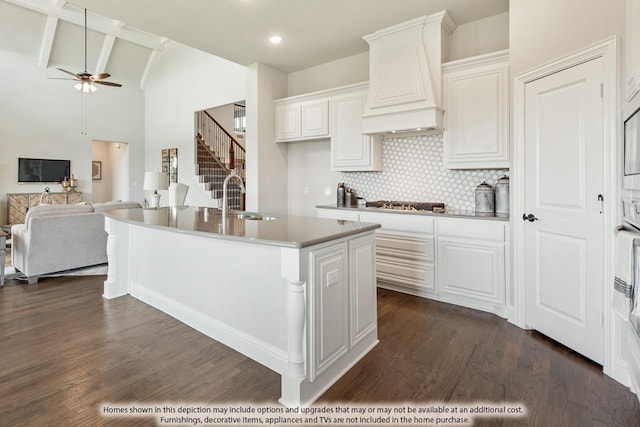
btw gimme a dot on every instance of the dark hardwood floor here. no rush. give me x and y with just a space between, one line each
64 351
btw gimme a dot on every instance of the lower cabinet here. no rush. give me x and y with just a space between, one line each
406 259
471 269
343 294
472 260
457 260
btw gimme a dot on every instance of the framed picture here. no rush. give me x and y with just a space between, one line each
96 170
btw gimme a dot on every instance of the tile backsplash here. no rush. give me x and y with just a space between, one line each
413 171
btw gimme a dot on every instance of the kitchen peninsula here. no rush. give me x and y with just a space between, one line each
295 294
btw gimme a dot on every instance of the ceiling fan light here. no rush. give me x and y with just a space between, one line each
92 88
78 86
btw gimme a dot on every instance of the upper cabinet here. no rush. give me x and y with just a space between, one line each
632 47
350 149
476 103
334 114
302 119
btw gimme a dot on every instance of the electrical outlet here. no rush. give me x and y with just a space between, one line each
327 191
305 190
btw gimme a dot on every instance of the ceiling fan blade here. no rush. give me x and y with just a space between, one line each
100 76
100 82
61 78
68 72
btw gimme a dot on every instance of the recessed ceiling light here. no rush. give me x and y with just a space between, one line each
275 39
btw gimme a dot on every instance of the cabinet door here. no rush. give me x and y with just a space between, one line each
362 280
288 122
329 293
350 149
315 119
477 116
472 269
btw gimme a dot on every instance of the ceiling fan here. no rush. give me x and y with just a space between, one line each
86 80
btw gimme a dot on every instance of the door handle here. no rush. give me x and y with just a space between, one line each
530 217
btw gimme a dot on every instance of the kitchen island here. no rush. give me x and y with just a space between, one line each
295 294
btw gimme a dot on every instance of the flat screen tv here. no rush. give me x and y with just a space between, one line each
43 170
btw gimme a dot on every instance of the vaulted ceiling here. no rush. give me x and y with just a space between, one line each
125 35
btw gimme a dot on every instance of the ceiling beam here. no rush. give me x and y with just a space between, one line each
105 53
153 58
47 41
62 10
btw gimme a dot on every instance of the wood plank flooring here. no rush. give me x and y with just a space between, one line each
64 351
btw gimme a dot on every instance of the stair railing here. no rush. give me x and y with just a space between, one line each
217 153
224 146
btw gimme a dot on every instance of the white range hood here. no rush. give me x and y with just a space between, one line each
405 75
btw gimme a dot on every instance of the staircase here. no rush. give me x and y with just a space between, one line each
218 152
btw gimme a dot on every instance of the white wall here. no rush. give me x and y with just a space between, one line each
543 30
42 118
478 37
309 174
102 188
114 184
266 159
352 69
184 80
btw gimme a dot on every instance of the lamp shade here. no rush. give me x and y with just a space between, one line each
155 181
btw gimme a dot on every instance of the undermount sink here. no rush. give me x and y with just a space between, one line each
254 217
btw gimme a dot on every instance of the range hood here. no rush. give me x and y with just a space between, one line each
405 75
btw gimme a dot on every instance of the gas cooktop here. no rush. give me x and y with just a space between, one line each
406 206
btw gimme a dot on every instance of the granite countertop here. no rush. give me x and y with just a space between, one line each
285 231
448 213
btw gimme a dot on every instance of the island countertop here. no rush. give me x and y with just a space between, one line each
285 231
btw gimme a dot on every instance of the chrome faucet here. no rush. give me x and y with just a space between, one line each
225 203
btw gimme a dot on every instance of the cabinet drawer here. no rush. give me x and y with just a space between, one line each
412 246
414 274
472 228
402 222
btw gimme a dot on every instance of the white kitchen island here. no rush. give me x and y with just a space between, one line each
295 294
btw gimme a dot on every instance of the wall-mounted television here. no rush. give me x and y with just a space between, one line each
43 170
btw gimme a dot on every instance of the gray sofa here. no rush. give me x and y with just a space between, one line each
55 238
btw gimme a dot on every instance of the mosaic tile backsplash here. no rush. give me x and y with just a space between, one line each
413 171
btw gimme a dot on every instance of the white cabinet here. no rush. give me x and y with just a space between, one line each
471 259
350 149
362 297
405 251
300 119
342 301
405 259
476 102
632 47
330 280
458 260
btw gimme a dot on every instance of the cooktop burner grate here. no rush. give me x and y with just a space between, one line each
405 206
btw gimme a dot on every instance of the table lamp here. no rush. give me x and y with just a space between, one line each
154 181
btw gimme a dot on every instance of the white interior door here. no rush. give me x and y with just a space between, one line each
564 184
